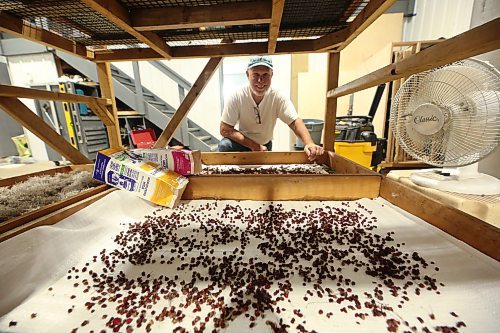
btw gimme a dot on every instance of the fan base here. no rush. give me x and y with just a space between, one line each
480 184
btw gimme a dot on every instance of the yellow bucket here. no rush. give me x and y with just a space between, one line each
359 152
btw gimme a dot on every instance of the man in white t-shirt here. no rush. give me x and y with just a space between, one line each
256 108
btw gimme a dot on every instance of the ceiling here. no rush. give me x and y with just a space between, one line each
116 29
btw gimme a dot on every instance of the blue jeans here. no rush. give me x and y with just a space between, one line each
228 145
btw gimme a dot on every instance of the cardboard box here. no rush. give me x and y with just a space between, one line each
185 162
128 171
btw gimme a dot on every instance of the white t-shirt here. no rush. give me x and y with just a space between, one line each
241 109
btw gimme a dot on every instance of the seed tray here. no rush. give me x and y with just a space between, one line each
349 182
351 266
17 224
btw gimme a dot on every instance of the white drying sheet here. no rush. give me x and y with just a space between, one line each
39 290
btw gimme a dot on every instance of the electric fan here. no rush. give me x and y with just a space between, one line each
450 117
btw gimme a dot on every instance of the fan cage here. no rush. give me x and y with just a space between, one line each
468 94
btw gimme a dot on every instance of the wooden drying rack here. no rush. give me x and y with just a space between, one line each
351 181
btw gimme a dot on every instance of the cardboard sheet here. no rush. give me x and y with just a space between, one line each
35 291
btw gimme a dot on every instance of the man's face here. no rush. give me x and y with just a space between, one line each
260 79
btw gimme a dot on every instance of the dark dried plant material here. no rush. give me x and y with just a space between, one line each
284 169
392 325
324 249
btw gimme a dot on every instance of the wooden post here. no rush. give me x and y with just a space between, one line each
106 85
274 26
331 103
24 116
188 102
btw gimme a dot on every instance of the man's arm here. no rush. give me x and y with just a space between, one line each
228 131
312 150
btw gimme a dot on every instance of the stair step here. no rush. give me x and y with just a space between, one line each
121 77
149 97
204 137
156 103
194 129
129 84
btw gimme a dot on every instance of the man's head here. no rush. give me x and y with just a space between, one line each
260 73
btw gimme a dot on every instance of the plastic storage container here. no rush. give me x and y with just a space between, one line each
315 128
359 152
145 138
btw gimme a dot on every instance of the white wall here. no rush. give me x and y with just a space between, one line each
205 110
484 11
27 70
370 51
438 18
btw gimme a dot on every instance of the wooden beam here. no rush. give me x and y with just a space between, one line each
118 14
427 42
219 50
282 187
331 40
260 158
56 216
188 102
343 165
22 29
107 91
368 15
274 26
45 210
133 54
207 51
242 13
481 39
49 172
241 49
21 92
104 113
331 103
478 234
24 116
98 105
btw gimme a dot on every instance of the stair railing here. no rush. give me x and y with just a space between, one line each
182 85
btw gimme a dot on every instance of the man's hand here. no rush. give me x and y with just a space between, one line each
258 147
313 151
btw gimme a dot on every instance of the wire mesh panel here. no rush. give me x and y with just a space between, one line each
70 19
136 4
316 18
77 22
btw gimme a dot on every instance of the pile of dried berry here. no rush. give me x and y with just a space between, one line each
284 169
204 266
